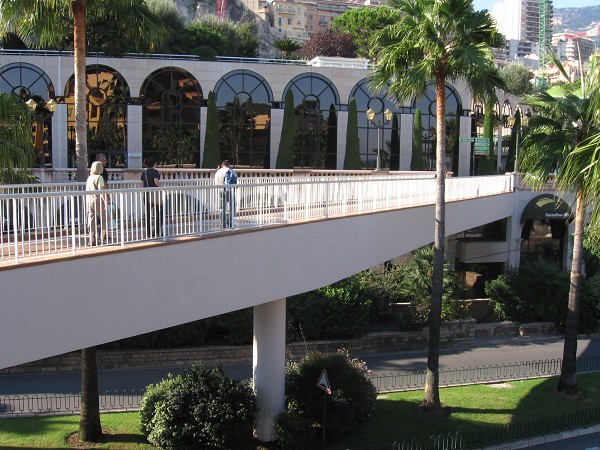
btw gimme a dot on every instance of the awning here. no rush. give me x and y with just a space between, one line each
547 206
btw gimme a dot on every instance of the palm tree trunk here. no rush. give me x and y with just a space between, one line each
567 382
89 418
431 402
79 62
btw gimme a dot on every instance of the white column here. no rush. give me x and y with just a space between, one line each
268 366
59 137
464 148
406 140
134 137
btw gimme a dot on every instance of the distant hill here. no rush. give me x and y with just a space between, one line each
576 19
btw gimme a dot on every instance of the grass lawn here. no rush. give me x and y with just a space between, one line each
396 417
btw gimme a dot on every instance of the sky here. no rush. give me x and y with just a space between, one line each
487 4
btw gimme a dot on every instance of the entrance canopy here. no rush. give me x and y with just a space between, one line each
546 206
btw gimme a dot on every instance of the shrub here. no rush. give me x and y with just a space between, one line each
351 403
200 409
538 291
335 311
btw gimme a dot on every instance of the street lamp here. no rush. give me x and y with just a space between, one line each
41 112
512 121
379 125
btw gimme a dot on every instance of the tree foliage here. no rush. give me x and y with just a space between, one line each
16 140
362 23
329 43
352 160
517 77
285 154
287 47
563 137
212 153
416 161
222 36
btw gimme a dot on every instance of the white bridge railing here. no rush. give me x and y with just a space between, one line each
39 221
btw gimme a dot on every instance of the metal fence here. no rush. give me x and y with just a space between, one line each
44 404
44 223
407 381
506 433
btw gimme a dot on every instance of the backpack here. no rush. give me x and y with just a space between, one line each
230 177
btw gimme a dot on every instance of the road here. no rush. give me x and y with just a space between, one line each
483 352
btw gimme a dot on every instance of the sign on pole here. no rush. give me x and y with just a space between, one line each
323 382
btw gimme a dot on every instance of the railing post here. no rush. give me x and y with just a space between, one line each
72 227
15 231
122 218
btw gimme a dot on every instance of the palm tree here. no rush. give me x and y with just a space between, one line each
432 41
287 47
564 137
16 140
40 24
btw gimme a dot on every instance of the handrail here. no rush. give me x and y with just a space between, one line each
39 224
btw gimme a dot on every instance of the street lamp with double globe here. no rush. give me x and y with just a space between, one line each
379 125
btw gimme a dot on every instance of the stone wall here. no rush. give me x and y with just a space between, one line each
453 333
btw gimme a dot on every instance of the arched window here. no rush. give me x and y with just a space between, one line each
427 105
244 100
171 117
316 102
30 82
389 134
107 93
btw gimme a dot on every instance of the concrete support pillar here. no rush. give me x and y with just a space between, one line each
268 366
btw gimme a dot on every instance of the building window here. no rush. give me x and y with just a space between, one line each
171 117
279 22
289 21
244 100
298 21
316 103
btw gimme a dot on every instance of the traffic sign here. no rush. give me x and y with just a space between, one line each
323 382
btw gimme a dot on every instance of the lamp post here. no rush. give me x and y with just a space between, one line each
41 112
512 122
379 125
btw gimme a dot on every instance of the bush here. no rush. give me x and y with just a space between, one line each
351 403
335 311
201 409
539 291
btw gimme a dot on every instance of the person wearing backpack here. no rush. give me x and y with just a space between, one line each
152 199
226 176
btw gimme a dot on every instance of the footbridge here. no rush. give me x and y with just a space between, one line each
287 237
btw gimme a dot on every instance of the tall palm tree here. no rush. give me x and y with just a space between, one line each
431 42
16 140
42 23
564 137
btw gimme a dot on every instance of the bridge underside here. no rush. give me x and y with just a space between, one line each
64 305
